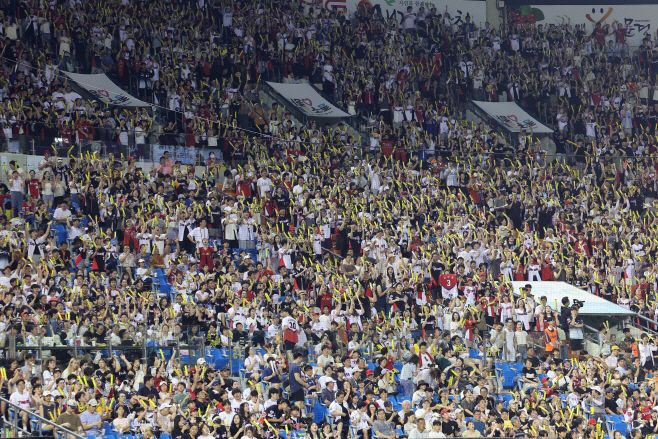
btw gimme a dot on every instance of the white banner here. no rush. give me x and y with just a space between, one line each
307 100
105 90
512 117
638 20
458 9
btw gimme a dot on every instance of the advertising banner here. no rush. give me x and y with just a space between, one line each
307 100
512 117
105 90
458 9
637 20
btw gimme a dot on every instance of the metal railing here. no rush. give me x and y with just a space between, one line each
37 423
191 342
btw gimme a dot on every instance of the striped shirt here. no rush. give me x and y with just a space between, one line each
407 372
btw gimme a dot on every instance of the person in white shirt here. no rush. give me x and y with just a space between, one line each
34 242
62 213
45 164
21 398
264 184
339 410
379 247
235 315
74 231
70 96
16 186
198 234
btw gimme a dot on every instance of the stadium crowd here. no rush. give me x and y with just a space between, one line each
368 287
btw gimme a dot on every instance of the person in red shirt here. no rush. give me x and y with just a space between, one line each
29 208
645 408
448 283
84 131
129 233
33 185
581 245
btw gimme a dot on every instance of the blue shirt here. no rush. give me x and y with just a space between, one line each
294 385
479 426
90 418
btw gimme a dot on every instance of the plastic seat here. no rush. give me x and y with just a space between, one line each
402 398
319 413
614 422
516 366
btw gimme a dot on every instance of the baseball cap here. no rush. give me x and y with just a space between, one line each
592 421
597 388
200 361
92 403
72 402
444 411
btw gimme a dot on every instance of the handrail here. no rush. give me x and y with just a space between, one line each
39 420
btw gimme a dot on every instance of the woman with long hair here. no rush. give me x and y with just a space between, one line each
236 429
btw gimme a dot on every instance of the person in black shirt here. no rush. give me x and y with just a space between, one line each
534 361
98 255
529 375
611 407
436 269
275 414
148 388
448 427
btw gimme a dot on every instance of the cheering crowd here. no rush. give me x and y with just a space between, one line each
368 287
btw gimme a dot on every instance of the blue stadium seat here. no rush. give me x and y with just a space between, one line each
402 398
60 233
614 422
319 412
516 366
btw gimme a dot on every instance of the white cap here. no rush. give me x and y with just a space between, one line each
72 402
200 361
597 388
166 405
92 403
